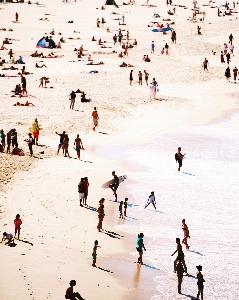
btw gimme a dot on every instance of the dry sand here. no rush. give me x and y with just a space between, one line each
57 234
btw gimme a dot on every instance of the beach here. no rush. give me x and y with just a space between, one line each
137 136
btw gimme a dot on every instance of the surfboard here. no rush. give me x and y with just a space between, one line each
161 29
108 183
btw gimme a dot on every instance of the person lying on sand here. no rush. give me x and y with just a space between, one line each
126 65
105 46
37 66
6 41
95 64
44 19
22 104
11 68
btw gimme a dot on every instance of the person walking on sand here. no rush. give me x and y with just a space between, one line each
146 77
152 47
78 144
35 131
62 136
179 270
131 77
81 190
140 75
125 206
115 39
94 254
180 256
95 118
70 293
101 214
16 15
151 200
114 186
179 158
166 48
200 282
228 56
72 98
18 223
140 247
228 74
235 72
8 237
86 187
205 64
231 47
30 142
185 233
174 37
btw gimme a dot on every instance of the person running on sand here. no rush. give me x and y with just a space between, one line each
125 206
18 223
7 237
180 158
235 72
101 214
86 187
66 145
131 77
180 256
146 77
94 254
81 190
78 144
140 247
95 118
114 186
200 282
185 233
70 294
205 64
179 270
140 75
151 200
62 136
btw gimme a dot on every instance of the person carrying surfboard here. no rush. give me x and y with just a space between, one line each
151 200
114 185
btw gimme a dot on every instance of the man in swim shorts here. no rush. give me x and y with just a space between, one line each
115 184
81 190
79 145
180 158
151 200
35 131
95 118
72 98
62 136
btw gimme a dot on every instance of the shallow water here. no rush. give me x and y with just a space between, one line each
205 193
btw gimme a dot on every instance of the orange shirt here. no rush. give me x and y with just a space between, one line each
95 114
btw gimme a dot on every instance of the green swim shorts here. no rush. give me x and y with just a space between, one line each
78 148
94 255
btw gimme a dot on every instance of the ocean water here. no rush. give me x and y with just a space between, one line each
205 193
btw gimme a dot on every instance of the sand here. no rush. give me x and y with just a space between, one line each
57 235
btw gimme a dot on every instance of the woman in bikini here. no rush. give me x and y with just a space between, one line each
185 233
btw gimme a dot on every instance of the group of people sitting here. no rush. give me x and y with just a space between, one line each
146 58
124 65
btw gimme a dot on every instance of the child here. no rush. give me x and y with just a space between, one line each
162 51
125 206
17 223
94 253
7 236
70 294
121 208
200 282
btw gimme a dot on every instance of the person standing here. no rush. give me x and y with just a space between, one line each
179 158
125 206
228 56
155 86
81 190
180 256
123 18
180 270
30 142
205 64
62 136
151 200
94 254
9 139
120 36
115 39
140 75
35 131
200 282
3 136
66 145
14 138
86 187
231 38
185 233
140 247
235 72
114 186
121 209
72 98
166 48
95 118
231 47
10 53
16 17
222 57
174 37
18 223
146 77
78 144
101 214
152 47
228 73
24 85
131 77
